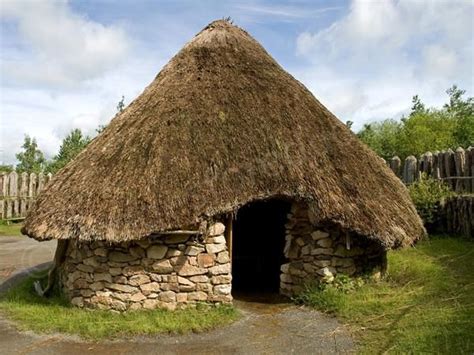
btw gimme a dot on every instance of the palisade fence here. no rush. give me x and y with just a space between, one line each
18 192
455 168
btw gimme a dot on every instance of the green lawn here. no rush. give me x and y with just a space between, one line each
12 229
32 312
424 305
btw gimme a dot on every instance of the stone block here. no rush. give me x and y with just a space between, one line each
150 304
77 301
317 235
114 271
120 279
173 252
216 229
189 270
85 268
162 267
222 289
156 251
185 281
193 250
324 243
215 248
167 296
103 277
87 293
81 283
197 296
205 260
220 269
137 252
322 251
199 278
221 279
135 306
150 287
181 297
137 297
120 257
137 280
122 288
223 257
101 252
133 270
216 240
143 243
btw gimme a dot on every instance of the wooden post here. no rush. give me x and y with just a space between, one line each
228 234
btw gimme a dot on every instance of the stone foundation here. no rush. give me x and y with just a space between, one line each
179 270
319 253
158 272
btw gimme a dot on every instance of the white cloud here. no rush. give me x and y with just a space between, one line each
285 11
387 51
61 48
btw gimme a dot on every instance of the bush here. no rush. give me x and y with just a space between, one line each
329 297
427 195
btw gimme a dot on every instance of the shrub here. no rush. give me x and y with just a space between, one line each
427 195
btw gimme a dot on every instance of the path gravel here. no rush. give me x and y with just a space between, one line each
268 326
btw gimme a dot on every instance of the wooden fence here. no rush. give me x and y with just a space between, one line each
456 168
458 215
18 192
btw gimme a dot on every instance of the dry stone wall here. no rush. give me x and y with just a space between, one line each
320 253
158 272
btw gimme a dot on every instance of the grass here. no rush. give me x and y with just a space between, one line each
12 229
41 315
424 305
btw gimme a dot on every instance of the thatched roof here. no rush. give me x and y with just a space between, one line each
221 125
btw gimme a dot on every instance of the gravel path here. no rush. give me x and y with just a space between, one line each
270 327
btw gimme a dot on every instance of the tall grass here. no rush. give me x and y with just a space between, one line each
46 315
424 305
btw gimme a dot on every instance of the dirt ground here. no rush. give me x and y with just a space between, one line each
268 326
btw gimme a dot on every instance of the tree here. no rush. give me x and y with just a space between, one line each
382 137
31 159
71 146
121 105
120 108
6 168
424 129
418 107
462 111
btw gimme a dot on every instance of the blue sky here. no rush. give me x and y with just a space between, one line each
65 64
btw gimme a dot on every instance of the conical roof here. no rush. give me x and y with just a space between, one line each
221 125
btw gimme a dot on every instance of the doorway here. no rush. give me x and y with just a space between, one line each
257 246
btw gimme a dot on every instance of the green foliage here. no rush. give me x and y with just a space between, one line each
71 146
31 159
121 104
6 168
427 194
428 131
329 296
424 129
424 305
383 137
54 314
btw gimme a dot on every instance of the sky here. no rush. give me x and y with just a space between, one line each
65 64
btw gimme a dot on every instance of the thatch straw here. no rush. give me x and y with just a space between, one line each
221 125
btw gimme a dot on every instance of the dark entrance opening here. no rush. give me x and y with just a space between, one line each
257 246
